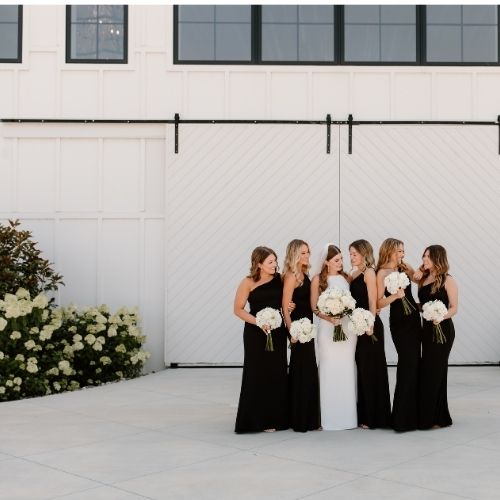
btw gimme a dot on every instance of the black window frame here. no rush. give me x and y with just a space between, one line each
19 58
256 44
70 60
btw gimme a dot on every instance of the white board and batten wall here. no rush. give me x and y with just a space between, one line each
128 222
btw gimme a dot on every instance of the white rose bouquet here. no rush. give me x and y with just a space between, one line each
268 319
302 330
393 282
336 303
360 321
435 310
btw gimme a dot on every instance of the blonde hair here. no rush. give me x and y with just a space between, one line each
259 255
366 250
323 274
439 258
388 247
292 259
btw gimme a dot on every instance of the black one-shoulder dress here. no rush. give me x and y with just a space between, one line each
263 400
374 403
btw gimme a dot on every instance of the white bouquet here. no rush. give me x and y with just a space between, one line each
435 310
336 303
360 321
302 330
268 319
393 282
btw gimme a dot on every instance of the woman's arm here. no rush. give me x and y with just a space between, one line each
451 288
240 301
289 283
382 300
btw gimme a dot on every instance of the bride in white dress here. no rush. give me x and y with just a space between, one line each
337 366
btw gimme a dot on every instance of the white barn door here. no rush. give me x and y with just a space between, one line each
427 185
230 189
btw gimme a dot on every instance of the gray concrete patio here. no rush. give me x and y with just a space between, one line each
170 435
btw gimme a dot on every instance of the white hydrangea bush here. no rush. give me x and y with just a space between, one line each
46 350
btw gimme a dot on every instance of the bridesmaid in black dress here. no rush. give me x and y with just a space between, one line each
263 404
303 374
406 334
436 284
374 403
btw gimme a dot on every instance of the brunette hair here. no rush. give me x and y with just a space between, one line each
437 254
259 255
388 247
366 250
292 259
323 274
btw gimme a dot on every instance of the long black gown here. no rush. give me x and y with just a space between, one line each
374 403
303 373
433 395
264 393
406 334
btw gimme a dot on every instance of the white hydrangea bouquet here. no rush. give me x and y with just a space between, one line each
393 282
303 330
268 319
360 321
435 310
336 303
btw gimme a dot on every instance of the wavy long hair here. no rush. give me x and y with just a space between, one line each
323 274
366 250
387 248
437 254
292 259
259 255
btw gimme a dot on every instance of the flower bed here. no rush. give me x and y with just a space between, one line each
45 349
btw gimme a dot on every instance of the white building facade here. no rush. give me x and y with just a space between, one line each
128 221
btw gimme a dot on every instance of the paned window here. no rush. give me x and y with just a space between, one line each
11 33
96 34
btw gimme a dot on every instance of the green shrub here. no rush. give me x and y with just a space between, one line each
21 265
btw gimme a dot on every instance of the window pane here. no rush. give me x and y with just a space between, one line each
110 13
232 42
316 43
9 13
9 30
316 14
362 43
361 14
84 41
196 13
299 33
480 14
480 44
398 43
443 14
196 42
110 41
279 13
399 14
84 13
279 42
444 43
8 41
233 13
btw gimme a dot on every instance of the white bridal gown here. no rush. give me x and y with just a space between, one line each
337 373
